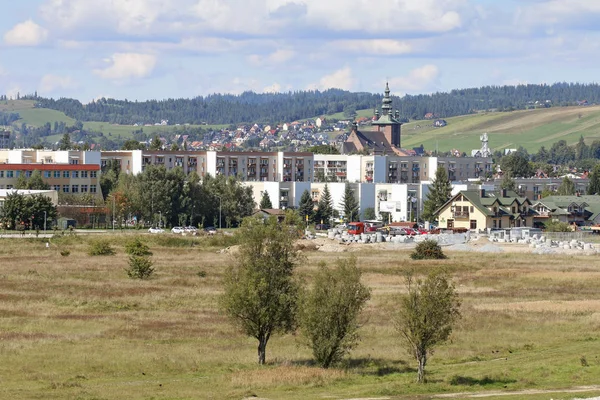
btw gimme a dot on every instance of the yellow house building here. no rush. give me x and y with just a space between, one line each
479 210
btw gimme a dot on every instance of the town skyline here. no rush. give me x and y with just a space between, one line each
148 49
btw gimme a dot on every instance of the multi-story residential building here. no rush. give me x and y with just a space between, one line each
4 138
249 166
30 156
65 178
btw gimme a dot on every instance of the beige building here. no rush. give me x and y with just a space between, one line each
480 210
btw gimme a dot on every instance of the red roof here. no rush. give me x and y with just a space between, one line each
49 167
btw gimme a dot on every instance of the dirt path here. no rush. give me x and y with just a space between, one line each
577 389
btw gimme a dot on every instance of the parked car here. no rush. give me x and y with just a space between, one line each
321 227
155 230
211 230
190 229
177 230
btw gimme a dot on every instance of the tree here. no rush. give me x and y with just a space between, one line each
517 164
265 201
260 291
306 206
156 143
65 142
330 311
29 211
582 150
370 213
35 182
324 206
350 205
508 182
132 144
427 315
566 188
594 185
323 149
439 193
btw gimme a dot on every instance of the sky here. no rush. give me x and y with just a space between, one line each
157 49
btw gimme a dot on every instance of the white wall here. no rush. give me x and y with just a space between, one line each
211 163
15 157
380 171
296 192
93 157
353 168
136 161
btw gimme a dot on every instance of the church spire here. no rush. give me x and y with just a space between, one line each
386 108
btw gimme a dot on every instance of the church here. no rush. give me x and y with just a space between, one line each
384 136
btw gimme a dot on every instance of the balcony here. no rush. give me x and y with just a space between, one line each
460 214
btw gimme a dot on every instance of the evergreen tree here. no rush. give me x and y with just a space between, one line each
566 188
594 185
306 206
65 142
156 143
350 205
265 201
439 193
325 207
581 149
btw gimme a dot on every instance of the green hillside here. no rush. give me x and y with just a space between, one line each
530 129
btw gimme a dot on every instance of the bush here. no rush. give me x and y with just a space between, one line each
137 248
65 253
557 226
101 248
140 267
428 250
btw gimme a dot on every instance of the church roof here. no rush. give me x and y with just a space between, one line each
387 115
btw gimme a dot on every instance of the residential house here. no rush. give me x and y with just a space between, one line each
481 209
578 210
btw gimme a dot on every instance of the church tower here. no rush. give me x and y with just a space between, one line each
388 122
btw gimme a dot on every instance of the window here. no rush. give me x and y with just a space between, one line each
93 189
514 210
84 188
9 186
56 187
57 174
473 224
75 174
10 174
75 189
93 174
74 162
84 174
28 174
65 174
1 174
47 174
17 174
65 188
472 209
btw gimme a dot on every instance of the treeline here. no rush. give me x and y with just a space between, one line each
279 107
8 118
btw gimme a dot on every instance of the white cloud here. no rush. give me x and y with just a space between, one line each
385 47
340 79
418 80
12 91
49 83
274 88
26 33
277 57
125 66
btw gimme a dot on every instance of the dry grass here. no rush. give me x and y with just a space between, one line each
78 327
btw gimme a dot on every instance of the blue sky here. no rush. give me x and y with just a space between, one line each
155 49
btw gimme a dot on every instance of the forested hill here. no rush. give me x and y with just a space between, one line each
287 107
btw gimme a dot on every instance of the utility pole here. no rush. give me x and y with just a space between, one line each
44 222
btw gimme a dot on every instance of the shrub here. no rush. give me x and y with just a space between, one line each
137 248
65 253
557 226
101 248
140 267
428 250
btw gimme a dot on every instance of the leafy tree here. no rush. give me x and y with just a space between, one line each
260 292
427 315
132 144
323 149
324 206
439 193
350 205
594 185
508 182
330 311
517 164
306 206
370 213
20 210
582 150
566 188
265 201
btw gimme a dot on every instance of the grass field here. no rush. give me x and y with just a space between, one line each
77 327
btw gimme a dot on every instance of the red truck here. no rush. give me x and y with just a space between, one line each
356 228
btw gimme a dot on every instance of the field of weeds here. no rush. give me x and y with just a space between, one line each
75 326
